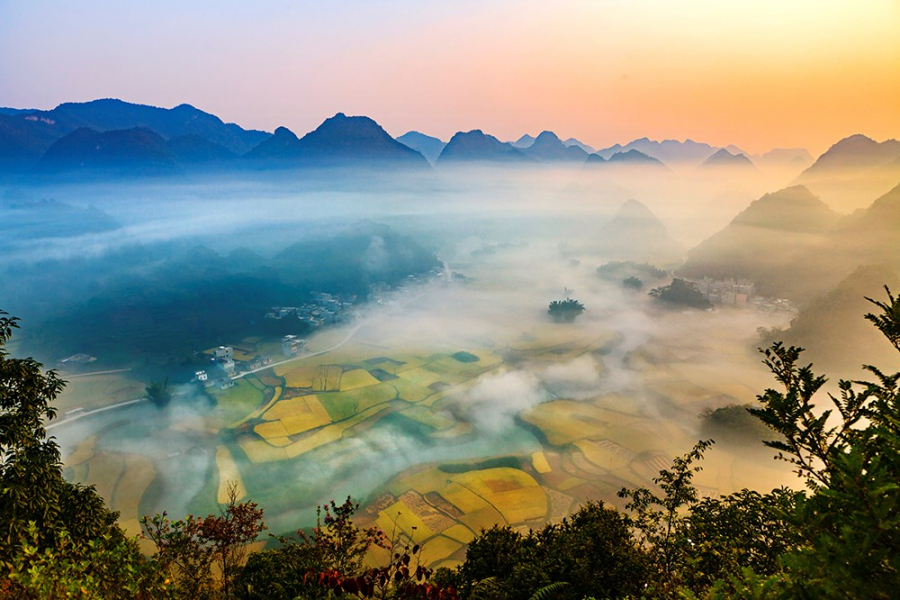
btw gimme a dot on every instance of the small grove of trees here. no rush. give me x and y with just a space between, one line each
592 552
734 425
158 393
680 293
633 283
565 311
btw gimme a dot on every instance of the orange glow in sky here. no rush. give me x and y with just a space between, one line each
758 74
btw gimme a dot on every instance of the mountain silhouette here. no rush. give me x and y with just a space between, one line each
130 151
765 241
627 159
853 171
184 119
338 141
724 158
547 147
476 146
667 151
852 153
830 323
635 233
523 142
574 142
426 145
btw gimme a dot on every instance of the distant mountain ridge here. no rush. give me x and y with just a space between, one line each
628 158
854 170
113 114
476 146
854 152
792 244
547 147
667 151
724 158
428 146
338 141
129 150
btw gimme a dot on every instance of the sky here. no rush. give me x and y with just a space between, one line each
754 73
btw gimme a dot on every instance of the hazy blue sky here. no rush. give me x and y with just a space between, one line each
757 74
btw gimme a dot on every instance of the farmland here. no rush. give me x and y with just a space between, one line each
418 433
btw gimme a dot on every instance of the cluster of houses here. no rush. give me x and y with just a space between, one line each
325 309
225 368
741 292
726 291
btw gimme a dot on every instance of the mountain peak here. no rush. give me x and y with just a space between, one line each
339 140
475 145
547 147
722 157
283 132
548 136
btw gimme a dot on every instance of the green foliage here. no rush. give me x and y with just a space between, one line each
190 548
693 542
158 393
660 521
849 457
592 551
549 591
680 293
32 488
335 544
633 283
101 569
565 311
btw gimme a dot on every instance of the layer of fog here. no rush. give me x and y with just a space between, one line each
502 229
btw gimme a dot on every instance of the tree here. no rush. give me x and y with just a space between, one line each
694 542
592 552
633 283
849 458
100 569
565 311
32 487
158 393
660 521
335 545
187 549
680 293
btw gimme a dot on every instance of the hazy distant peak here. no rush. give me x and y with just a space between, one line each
547 147
854 152
475 145
635 157
576 142
547 136
724 158
794 208
523 142
428 146
665 151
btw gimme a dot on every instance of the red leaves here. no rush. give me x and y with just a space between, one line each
406 584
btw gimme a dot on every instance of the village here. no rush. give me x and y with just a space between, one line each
741 292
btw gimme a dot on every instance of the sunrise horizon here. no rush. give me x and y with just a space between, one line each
757 77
